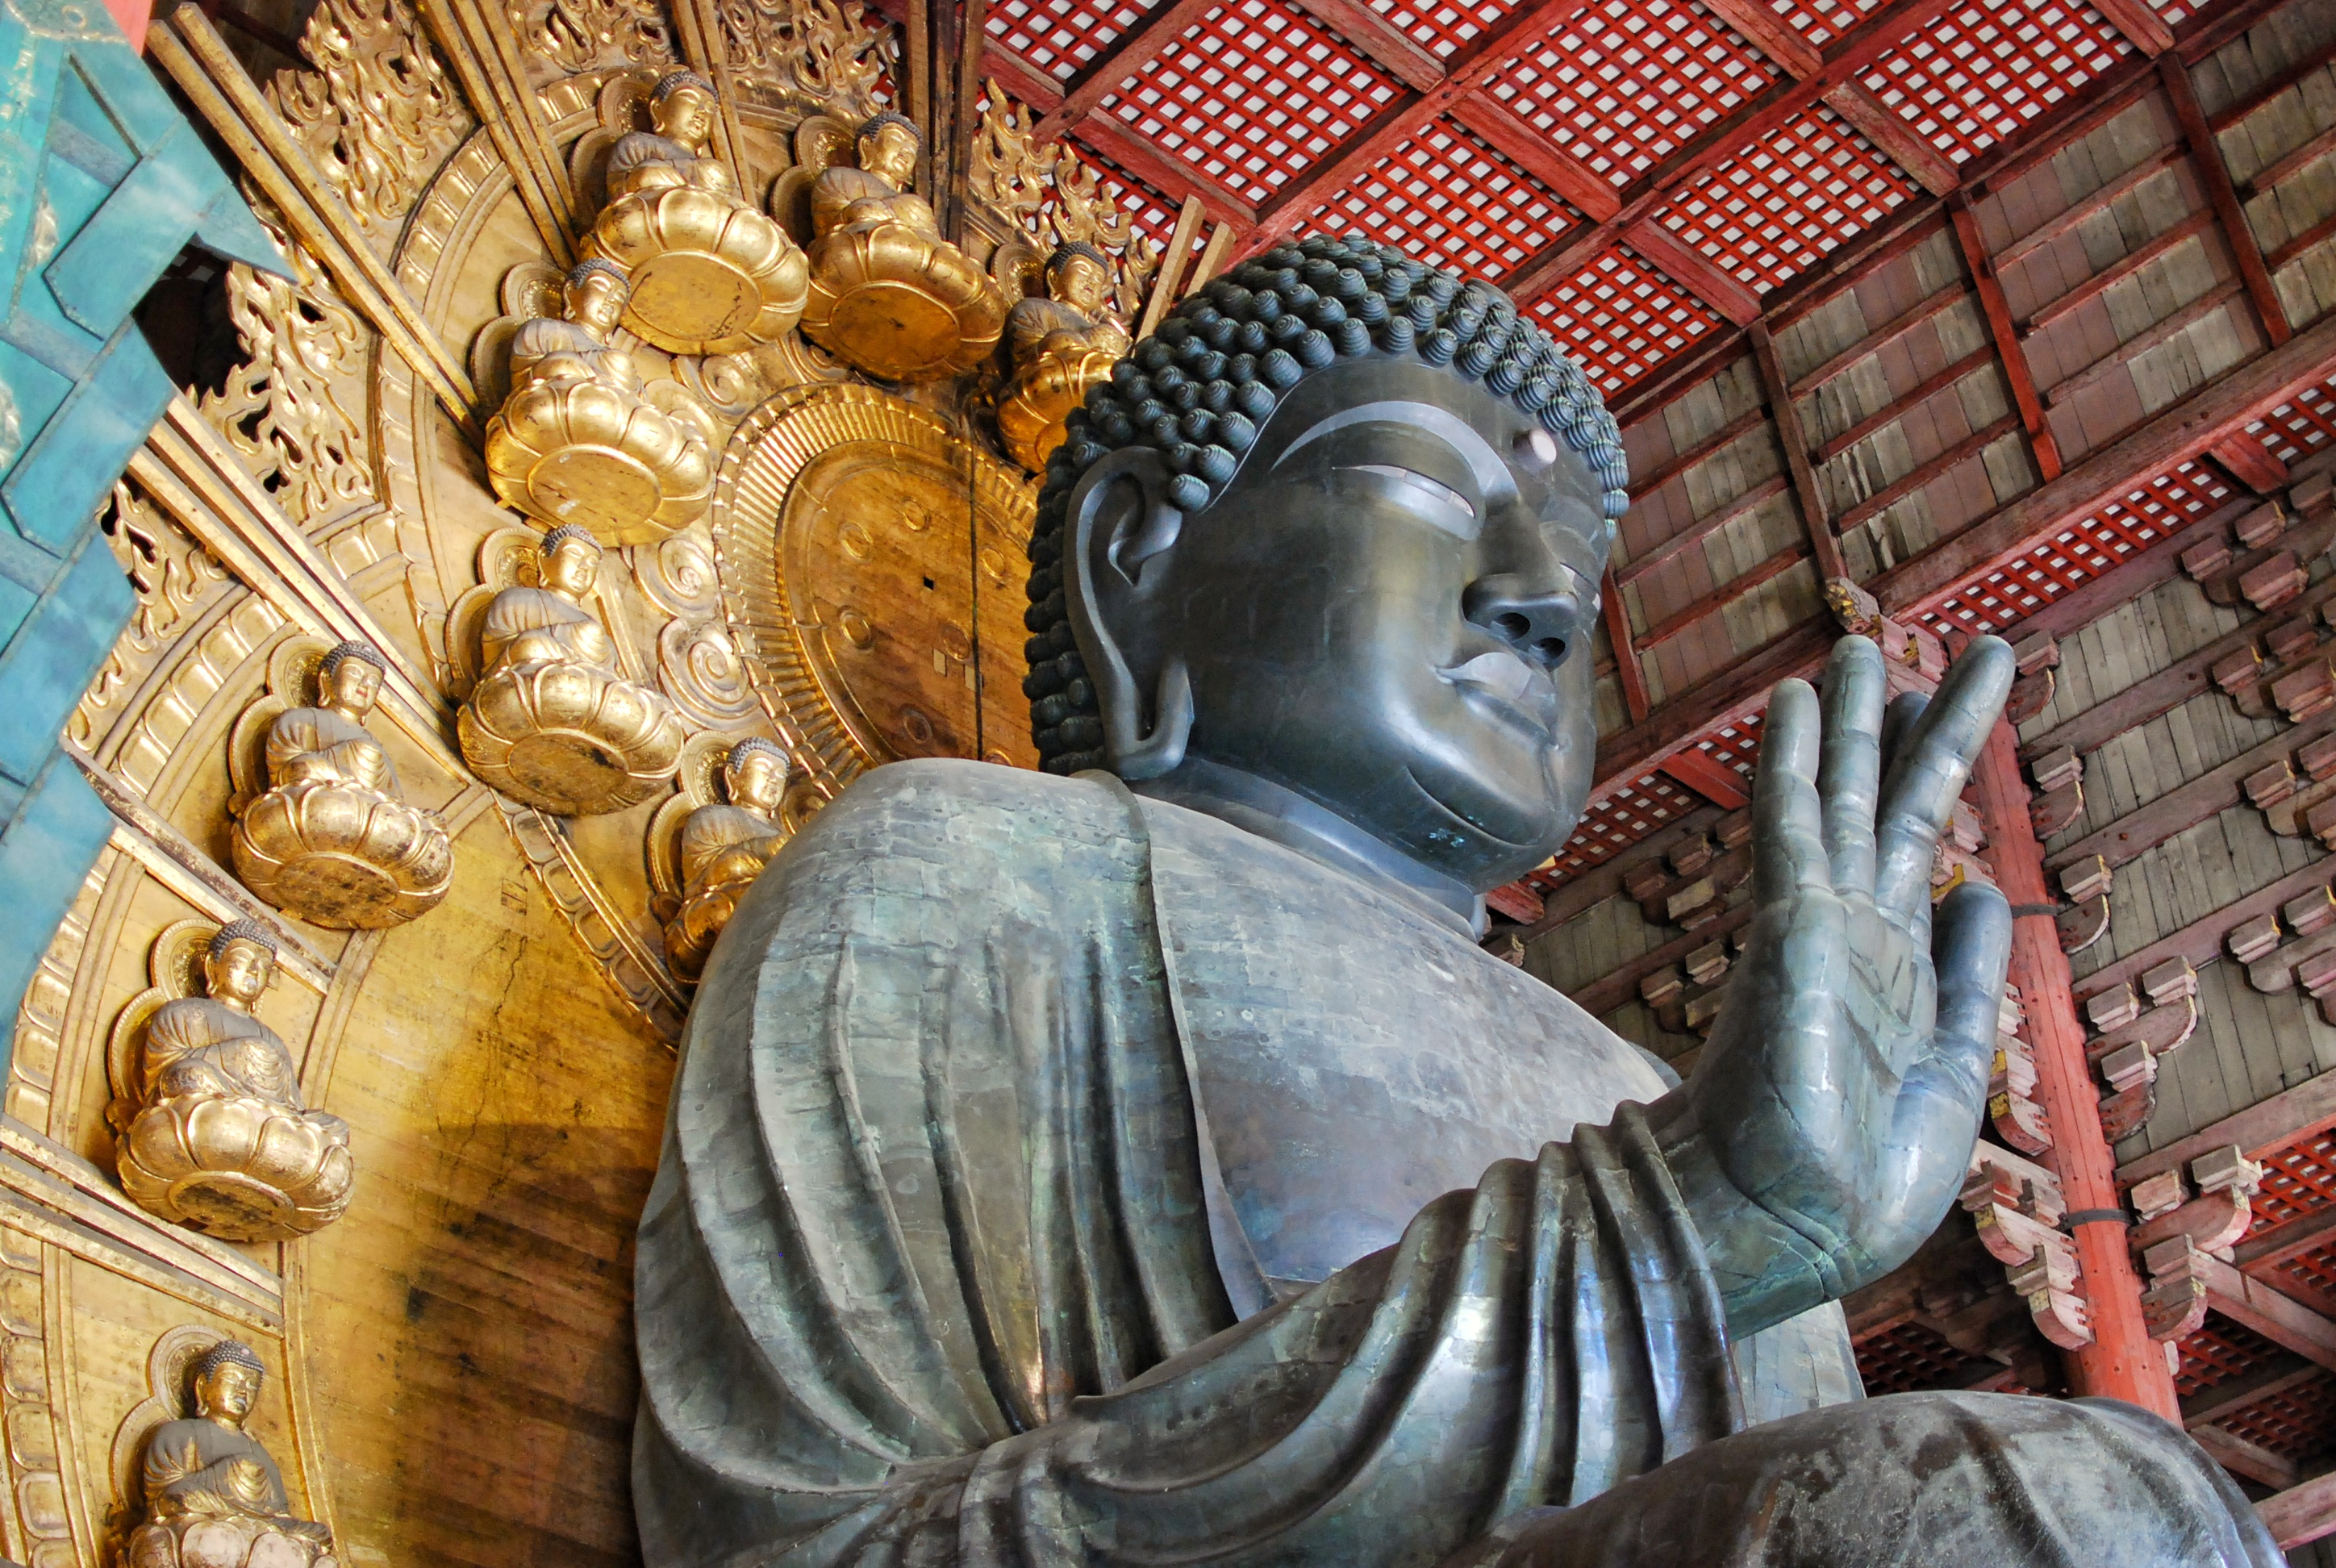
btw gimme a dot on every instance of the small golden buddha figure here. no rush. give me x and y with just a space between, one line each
723 848
214 1496
1059 344
888 292
551 722
578 440
710 273
221 1142
332 840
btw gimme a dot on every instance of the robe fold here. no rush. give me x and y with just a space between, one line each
1057 1178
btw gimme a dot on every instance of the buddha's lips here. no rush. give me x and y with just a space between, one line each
1509 680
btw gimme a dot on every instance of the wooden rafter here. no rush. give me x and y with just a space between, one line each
1121 59
1825 544
2009 353
2206 158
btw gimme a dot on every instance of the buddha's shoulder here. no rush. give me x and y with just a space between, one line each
976 814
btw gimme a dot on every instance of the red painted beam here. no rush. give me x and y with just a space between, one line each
1122 58
2206 158
2122 1362
1707 776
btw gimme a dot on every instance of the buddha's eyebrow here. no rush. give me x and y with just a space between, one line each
1467 443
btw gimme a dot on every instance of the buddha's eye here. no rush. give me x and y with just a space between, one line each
1444 506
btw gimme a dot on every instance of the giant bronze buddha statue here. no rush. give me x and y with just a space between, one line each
1140 1162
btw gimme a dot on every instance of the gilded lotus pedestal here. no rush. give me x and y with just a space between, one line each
590 452
235 1542
239 1167
709 274
568 738
1030 416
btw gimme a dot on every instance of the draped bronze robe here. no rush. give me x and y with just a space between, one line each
1016 1121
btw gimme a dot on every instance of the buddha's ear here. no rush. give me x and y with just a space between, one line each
1121 528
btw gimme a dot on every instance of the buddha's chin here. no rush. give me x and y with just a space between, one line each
1504 826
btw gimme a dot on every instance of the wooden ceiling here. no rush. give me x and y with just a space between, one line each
1949 298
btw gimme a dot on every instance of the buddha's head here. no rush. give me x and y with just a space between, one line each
755 776
349 678
1078 276
1339 526
571 559
888 146
226 1379
682 108
594 295
239 964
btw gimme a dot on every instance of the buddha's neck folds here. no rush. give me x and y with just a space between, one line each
1273 812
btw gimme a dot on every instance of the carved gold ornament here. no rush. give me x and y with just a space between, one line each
322 830
709 272
551 722
213 1133
888 292
871 561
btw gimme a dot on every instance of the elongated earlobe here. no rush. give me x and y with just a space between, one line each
1121 524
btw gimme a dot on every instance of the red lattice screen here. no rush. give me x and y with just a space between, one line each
2218 1352
1984 68
2297 1180
2298 1422
1822 20
1620 820
1621 317
1251 94
1773 211
1628 82
1912 1357
1445 197
2294 428
1060 36
2077 554
1440 26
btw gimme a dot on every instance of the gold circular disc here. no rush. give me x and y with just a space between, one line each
566 771
231 1206
687 298
606 491
335 889
893 330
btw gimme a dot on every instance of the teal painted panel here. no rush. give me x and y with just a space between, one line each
51 840
53 491
61 644
104 271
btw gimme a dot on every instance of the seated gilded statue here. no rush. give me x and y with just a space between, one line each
887 293
578 441
332 840
220 1141
1059 345
723 848
214 1497
711 273
551 722
1140 1161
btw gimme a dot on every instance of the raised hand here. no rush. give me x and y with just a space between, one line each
1828 1123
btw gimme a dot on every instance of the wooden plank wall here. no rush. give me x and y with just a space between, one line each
2248 1046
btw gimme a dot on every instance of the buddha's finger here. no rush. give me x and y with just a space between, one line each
1788 826
1918 793
1898 723
1849 772
1937 1111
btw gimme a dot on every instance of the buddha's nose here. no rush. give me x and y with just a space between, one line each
1540 616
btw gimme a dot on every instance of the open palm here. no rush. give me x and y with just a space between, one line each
1833 1109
